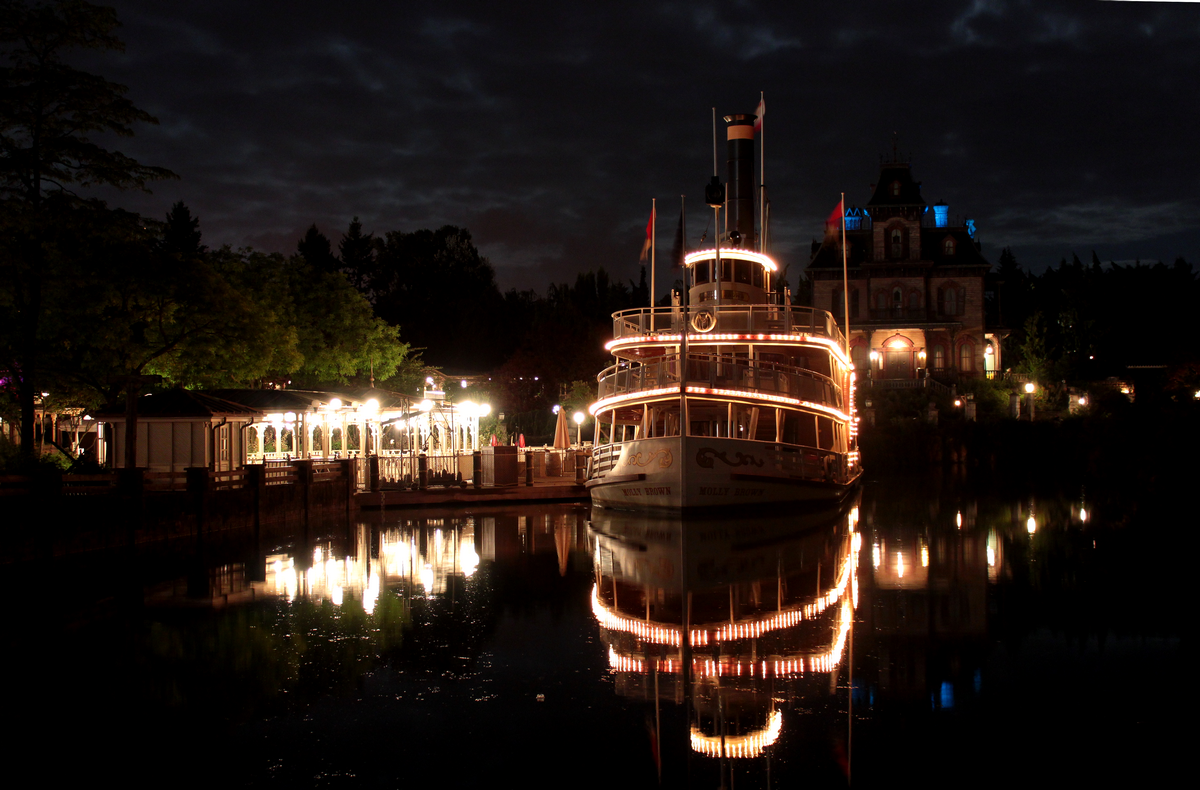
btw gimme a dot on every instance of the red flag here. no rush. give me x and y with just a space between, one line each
649 237
835 218
760 111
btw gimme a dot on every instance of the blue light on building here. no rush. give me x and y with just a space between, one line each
971 227
941 215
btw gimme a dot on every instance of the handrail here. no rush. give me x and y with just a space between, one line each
759 318
724 371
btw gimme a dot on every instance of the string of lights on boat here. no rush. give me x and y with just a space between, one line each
713 338
720 392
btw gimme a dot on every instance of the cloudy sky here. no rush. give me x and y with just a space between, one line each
546 127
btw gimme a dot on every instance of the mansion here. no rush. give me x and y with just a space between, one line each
916 285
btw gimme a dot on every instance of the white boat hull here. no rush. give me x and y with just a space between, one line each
697 472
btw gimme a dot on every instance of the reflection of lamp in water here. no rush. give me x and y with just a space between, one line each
427 578
1031 524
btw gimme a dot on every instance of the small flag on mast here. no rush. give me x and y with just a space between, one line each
760 111
834 221
649 237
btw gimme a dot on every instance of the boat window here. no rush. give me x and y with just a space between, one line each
741 271
825 433
756 278
726 270
703 272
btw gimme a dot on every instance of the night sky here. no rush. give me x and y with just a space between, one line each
546 128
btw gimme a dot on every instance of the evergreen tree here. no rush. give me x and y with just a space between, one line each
317 251
357 253
181 233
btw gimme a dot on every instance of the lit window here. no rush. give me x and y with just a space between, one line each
895 189
948 247
939 357
966 358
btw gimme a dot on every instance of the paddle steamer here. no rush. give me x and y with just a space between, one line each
731 397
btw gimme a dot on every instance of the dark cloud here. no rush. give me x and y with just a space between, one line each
546 128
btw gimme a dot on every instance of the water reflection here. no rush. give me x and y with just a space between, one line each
767 606
754 652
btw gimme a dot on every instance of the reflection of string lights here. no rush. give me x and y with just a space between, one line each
726 665
750 745
749 629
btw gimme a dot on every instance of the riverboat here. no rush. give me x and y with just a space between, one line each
730 397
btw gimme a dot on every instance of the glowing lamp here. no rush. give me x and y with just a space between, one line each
1029 388
1082 400
429 380
425 405
579 418
1031 525
336 403
485 409
556 408
463 383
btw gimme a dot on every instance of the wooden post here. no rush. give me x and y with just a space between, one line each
348 474
198 484
304 478
373 472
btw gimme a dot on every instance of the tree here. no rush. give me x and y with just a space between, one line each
358 257
316 249
181 233
48 110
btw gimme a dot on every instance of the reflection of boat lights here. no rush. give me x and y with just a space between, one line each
876 555
900 565
468 558
1083 514
1031 525
924 556
750 745
751 629
335 594
958 519
371 594
427 578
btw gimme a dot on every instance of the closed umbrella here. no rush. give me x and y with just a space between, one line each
562 439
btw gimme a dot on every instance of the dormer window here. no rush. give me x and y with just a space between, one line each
896 237
895 189
948 246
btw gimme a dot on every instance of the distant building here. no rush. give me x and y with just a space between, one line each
916 285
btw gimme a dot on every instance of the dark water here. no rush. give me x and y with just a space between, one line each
929 633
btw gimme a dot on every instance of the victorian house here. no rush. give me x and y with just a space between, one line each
916 285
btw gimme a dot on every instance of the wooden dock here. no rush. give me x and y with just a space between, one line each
544 490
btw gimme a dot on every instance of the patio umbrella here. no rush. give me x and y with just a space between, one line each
562 439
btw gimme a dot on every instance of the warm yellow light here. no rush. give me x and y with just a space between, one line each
897 344
1082 400
924 556
336 403
579 418
1031 525
425 405
874 356
371 405
958 519
485 409
1029 388
1083 514
737 255
957 403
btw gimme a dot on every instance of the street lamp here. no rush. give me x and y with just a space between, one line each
1029 388
579 427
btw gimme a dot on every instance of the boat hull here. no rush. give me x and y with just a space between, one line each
672 474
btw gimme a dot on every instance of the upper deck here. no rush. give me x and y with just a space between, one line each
711 323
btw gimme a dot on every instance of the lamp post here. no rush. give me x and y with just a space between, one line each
1029 388
579 428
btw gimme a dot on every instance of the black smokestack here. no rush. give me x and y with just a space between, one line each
739 208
